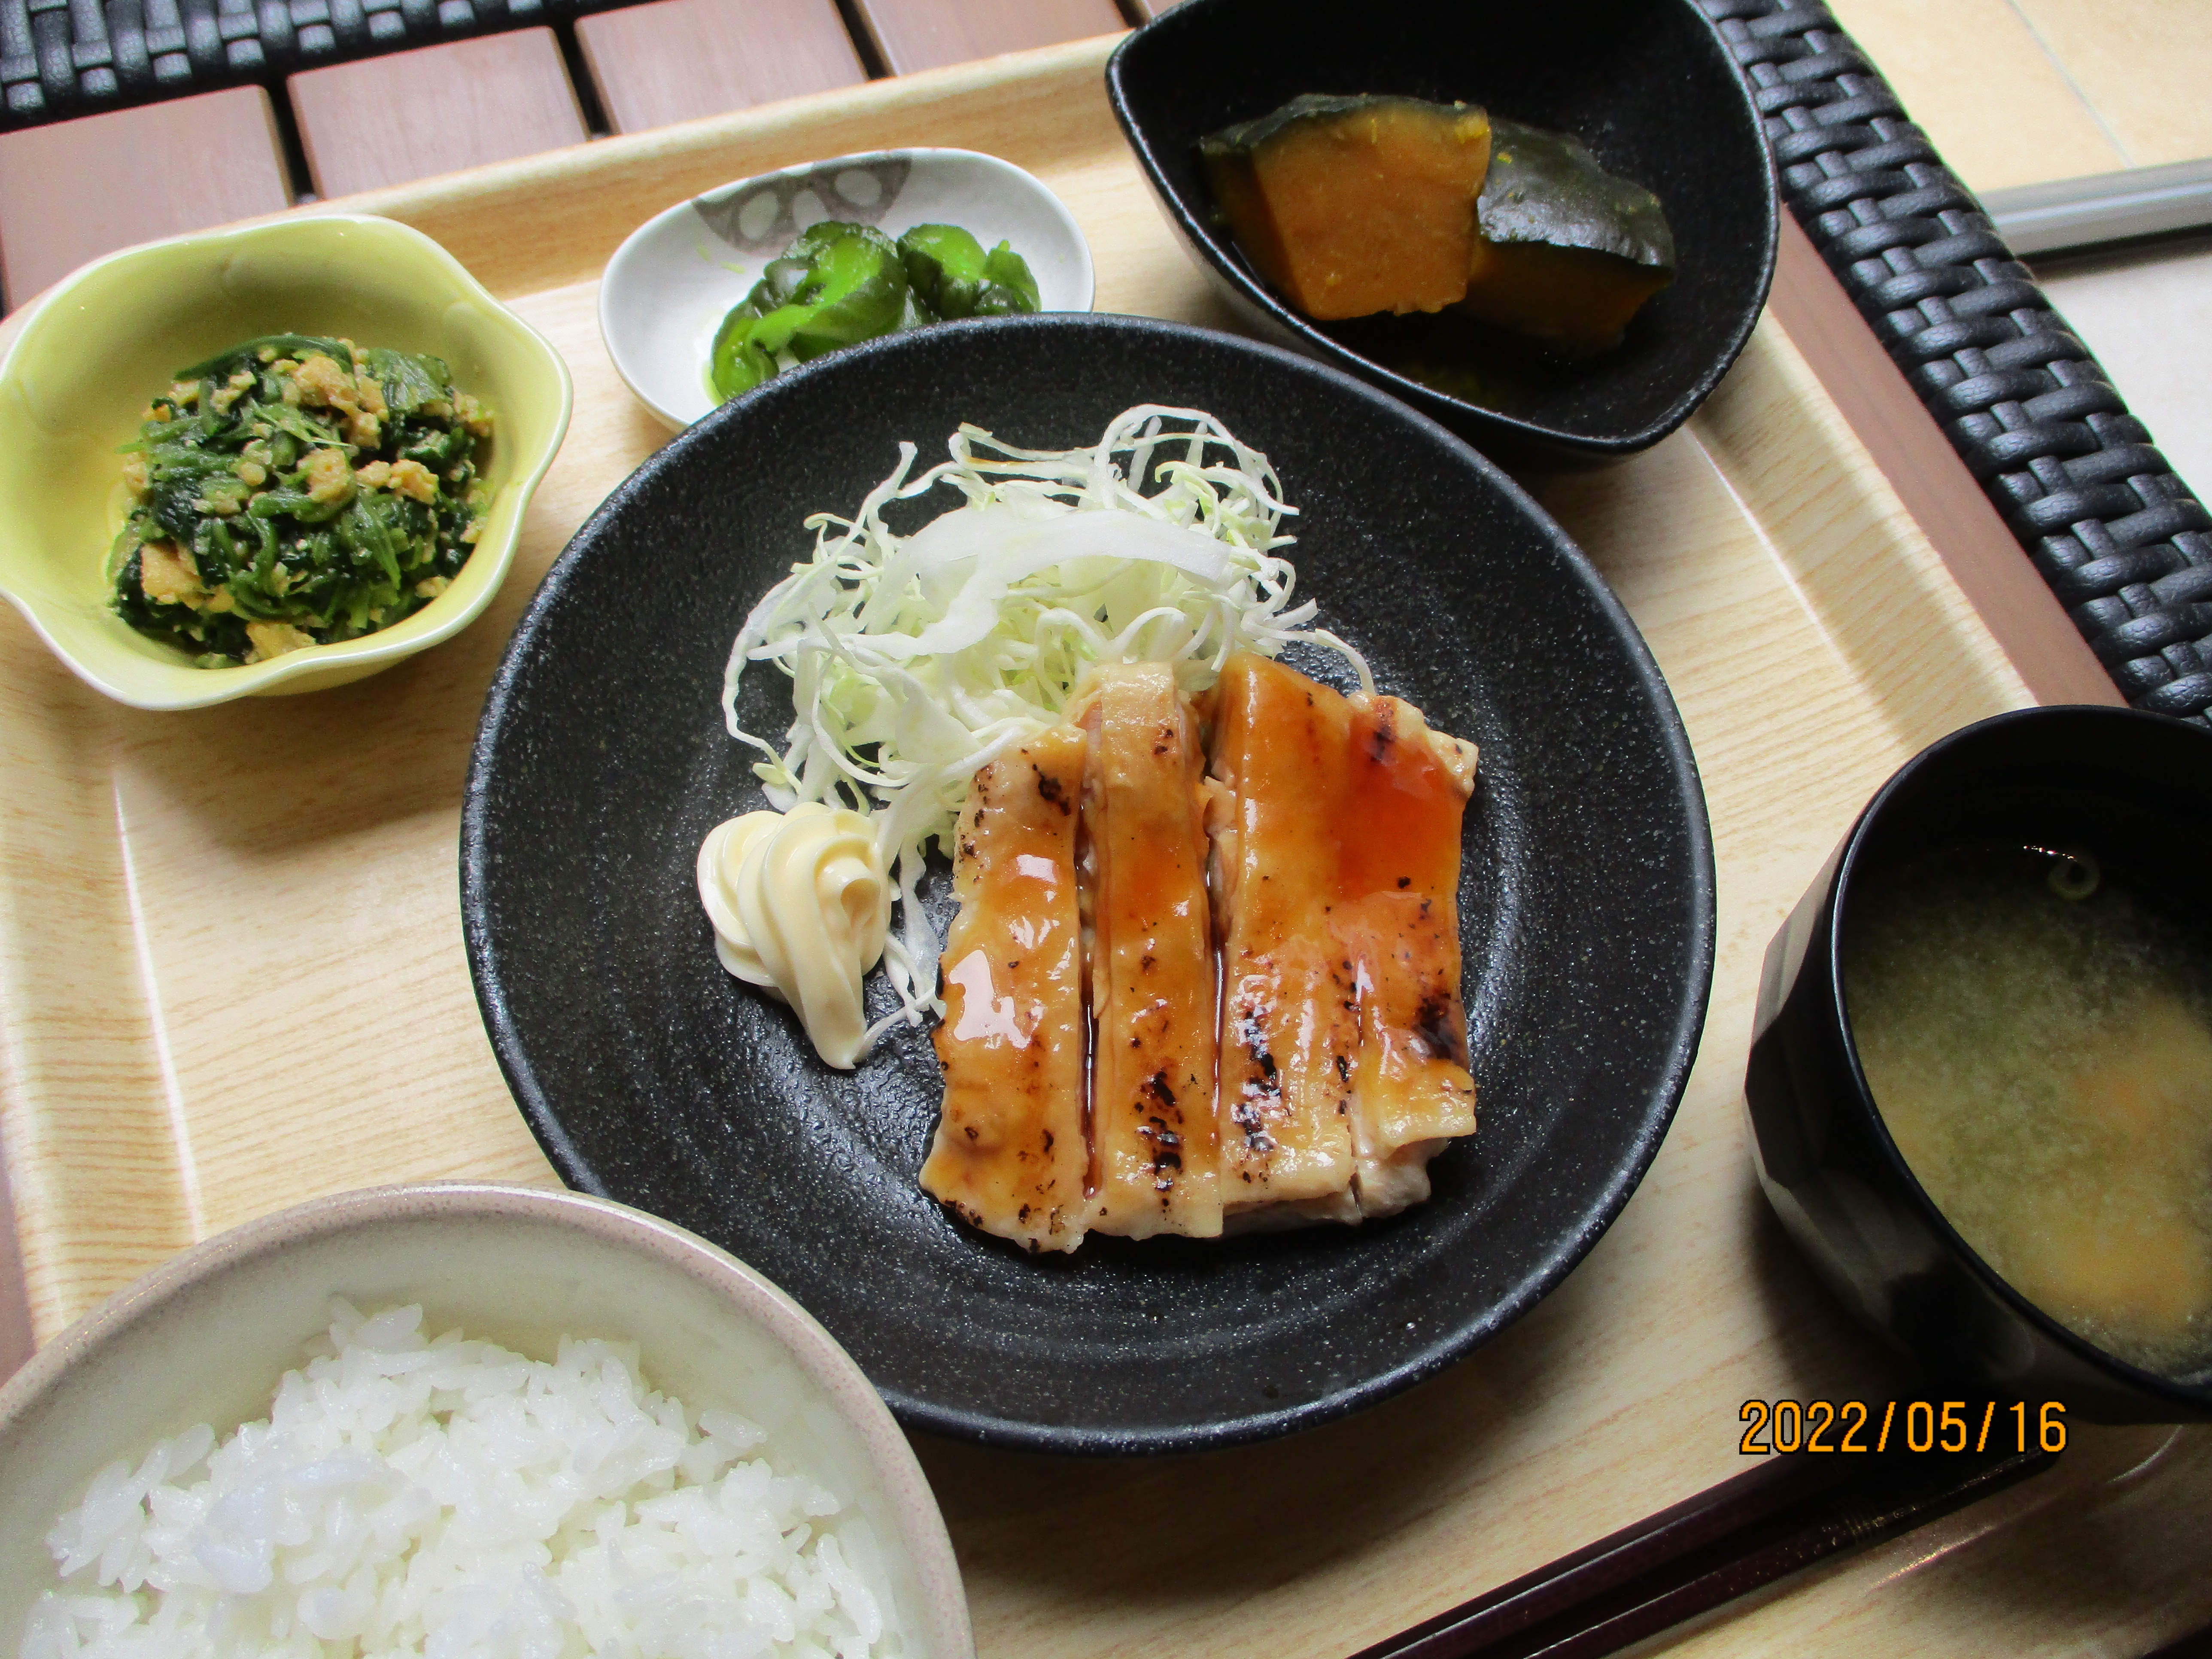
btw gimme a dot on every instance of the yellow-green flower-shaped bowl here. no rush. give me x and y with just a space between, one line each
75 383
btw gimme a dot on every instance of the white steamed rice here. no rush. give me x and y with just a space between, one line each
448 1498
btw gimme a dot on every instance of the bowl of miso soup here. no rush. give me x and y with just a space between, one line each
1980 1084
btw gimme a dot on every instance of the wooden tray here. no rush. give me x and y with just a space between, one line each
232 976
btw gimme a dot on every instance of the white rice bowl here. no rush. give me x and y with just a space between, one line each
501 1477
454 1498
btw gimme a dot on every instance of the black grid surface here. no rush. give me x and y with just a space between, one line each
65 57
2123 541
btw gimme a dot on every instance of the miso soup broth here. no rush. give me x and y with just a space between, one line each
2039 1040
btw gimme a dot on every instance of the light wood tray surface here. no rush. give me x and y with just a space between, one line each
232 976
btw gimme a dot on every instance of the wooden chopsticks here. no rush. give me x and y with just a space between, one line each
1788 1513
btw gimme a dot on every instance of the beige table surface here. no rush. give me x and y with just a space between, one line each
2015 92
2019 92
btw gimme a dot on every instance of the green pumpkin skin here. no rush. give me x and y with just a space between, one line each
1566 252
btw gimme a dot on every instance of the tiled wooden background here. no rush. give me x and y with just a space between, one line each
76 189
2013 92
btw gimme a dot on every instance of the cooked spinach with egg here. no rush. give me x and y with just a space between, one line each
296 491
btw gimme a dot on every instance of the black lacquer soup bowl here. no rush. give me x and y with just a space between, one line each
2138 788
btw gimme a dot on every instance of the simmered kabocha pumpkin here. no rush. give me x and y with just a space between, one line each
1354 205
1566 252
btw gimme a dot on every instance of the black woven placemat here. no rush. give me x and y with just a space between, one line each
65 57
2122 541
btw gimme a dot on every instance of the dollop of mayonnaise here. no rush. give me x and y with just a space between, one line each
801 906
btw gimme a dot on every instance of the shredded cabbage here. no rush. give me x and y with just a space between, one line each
916 659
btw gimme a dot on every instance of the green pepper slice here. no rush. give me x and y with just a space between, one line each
739 365
836 285
949 268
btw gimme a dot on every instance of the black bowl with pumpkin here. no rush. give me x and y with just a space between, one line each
1647 86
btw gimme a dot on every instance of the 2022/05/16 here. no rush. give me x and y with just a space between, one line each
1922 1425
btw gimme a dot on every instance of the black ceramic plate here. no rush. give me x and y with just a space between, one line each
1649 85
653 1078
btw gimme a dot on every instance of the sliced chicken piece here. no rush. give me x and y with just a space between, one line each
1336 849
1010 1156
1397 918
1155 1155
1289 1028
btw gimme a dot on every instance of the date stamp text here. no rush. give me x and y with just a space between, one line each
1920 1426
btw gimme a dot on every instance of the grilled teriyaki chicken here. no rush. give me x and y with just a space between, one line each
1321 860
1011 1155
1290 1015
1336 849
1154 1159
1397 917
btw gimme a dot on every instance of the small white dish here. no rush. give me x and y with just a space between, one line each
668 288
